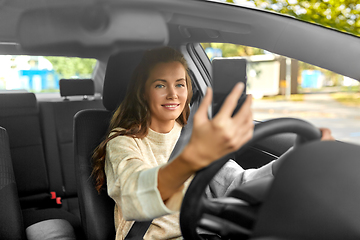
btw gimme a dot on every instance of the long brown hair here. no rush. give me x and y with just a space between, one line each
133 115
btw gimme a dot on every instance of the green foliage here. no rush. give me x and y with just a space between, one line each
68 67
232 50
343 15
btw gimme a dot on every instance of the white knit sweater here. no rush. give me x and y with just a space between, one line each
131 168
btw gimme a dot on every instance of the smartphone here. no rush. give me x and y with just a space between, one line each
226 72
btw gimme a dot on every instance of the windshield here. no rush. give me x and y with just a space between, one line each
342 15
283 87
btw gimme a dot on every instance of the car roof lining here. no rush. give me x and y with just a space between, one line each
94 26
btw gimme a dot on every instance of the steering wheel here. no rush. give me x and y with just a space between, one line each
233 217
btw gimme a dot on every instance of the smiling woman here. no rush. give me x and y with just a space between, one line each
143 132
159 93
166 94
116 33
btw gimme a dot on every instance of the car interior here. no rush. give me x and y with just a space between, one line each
11 216
46 144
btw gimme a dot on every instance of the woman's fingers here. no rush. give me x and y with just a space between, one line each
240 137
231 101
235 130
212 139
326 135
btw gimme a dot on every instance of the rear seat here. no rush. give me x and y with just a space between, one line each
41 144
19 115
57 125
11 222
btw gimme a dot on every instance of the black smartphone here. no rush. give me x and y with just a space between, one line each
226 72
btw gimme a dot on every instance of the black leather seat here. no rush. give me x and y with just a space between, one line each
90 127
11 221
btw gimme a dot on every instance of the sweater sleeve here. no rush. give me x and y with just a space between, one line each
232 175
132 182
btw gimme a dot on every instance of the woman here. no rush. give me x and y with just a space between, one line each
143 133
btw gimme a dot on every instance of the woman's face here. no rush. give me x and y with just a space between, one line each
166 92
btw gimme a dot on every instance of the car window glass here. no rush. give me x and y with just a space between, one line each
341 15
41 74
284 87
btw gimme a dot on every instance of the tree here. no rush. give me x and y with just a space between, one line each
343 15
233 50
68 67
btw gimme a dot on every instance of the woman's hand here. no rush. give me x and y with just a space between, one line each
326 135
213 139
210 140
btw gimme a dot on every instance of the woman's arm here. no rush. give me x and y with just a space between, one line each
210 140
326 136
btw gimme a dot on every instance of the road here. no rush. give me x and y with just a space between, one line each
319 109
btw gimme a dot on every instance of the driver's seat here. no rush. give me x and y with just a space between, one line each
90 128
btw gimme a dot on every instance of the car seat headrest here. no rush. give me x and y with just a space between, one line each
119 70
76 87
18 104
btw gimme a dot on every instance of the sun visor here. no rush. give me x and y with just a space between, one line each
91 27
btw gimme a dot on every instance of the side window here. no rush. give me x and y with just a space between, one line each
41 73
283 87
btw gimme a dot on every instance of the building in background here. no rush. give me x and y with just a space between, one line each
33 73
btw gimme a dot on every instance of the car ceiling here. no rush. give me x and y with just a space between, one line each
96 29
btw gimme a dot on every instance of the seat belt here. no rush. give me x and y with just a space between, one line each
138 229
